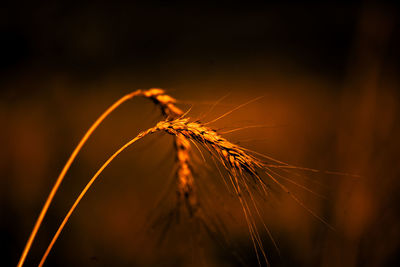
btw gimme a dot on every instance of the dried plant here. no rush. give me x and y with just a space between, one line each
168 108
247 170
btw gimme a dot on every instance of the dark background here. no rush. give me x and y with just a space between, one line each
329 73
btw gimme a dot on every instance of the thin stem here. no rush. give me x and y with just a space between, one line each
64 171
89 184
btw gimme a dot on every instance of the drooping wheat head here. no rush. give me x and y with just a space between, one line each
234 158
244 169
186 191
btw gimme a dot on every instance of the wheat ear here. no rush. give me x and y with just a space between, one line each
236 160
186 192
231 155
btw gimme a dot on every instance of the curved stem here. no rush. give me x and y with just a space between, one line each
89 184
64 171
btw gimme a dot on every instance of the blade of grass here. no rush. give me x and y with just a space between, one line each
89 184
64 171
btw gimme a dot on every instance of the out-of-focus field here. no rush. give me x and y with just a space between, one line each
329 77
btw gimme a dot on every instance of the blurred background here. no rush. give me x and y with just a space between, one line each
329 74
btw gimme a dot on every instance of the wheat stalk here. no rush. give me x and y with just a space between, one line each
241 165
65 169
173 127
168 108
235 159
